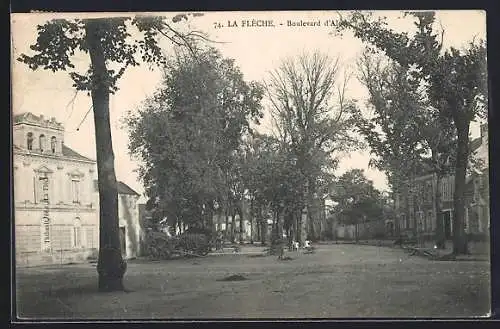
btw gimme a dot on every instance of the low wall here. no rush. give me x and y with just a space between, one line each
57 257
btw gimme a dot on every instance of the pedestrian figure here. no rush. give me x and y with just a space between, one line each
281 251
280 248
218 242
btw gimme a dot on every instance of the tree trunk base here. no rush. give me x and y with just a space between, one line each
109 283
460 245
111 268
460 249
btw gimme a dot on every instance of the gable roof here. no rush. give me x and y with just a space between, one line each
70 153
125 189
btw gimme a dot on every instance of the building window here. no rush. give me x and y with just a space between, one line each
90 237
41 185
61 237
75 190
444 189
42 142
53 143
77 233
428 192
29 141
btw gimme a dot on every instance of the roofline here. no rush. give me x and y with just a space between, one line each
131 189
56 125
21 152
35 125
82 156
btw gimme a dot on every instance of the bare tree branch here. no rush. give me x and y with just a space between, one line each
72 102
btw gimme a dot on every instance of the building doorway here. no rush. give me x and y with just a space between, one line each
123 242
446 216
390 229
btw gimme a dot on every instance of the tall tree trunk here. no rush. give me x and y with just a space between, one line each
413 213
303 226
312 211
262 227
356 231
440 238
252 214
280 222
233 226
210 217
111 266
226 213
459 237
305 215
240 214
296 224
258 225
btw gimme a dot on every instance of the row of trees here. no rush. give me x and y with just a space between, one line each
200 157
194 136
424 98
189 137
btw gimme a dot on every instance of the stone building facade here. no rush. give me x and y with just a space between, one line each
418 214
56 201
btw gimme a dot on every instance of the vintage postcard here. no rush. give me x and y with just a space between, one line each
250 165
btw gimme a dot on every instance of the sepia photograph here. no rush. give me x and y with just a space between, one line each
250 165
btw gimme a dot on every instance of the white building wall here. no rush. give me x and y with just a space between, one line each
66 243
128 211
25 167
74 226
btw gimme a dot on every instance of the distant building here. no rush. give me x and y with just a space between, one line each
416 207
56 201
130 228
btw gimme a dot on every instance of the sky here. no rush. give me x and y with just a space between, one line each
256 50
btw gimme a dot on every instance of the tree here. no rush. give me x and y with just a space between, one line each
108 43
188 135
271 182
312 117
456 84
357 198
408 137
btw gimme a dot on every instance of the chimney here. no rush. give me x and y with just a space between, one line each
41 117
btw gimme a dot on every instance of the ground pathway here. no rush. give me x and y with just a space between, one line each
335 281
